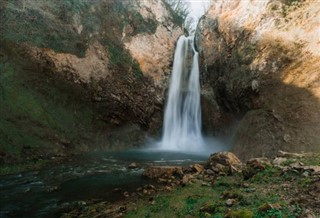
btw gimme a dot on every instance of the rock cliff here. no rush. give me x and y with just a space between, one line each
77 73
260 65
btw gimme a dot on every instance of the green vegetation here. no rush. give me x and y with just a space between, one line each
42 113
37 112
261 196
41 28
178 9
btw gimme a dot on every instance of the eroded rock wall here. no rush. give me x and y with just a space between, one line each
115 56
260 64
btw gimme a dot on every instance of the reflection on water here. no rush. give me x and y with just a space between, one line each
92 176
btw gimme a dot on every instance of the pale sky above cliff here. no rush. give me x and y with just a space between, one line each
198 7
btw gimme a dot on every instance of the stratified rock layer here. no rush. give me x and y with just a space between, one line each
92 72
260 67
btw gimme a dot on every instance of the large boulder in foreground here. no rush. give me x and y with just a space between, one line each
223 162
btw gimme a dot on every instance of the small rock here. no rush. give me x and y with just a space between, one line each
288 154
145 191
186 179
305 174
168 188
139 189
267 207
117 190
230 202
245 185
52 189
126 194
209 172
151 186
198 168
309 214
258 163
204 184
122 208
279 160
133 165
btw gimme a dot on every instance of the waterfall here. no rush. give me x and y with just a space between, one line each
182 118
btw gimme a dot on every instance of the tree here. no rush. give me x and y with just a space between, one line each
180 7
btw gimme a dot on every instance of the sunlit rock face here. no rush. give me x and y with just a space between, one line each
118 55
260 64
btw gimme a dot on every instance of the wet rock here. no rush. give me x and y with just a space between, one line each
162 172
117 190
52 189
126 194
133 165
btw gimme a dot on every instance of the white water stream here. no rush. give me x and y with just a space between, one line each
182 119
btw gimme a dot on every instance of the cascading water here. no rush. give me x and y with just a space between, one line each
182 119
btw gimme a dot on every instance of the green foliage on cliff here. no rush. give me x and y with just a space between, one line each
37 112
43 24
69 25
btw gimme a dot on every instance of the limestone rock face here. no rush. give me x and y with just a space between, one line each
118 55
260 64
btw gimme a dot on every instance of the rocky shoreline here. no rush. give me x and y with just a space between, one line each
288 184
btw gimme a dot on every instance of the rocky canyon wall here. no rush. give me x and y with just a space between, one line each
75 74
260 64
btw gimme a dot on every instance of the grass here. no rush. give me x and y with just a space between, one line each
196 200
269 193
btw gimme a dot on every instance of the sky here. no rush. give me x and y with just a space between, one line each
197 7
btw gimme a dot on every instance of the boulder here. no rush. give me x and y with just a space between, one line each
133 165
223 162
160 172
198 168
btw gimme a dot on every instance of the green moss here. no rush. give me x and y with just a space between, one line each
242 213
41 28
291 2
35 112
